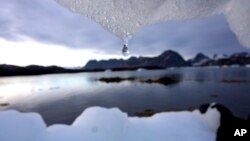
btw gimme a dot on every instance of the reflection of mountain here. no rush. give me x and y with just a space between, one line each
241 59
166 59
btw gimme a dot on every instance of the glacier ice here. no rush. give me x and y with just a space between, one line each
101 124
125 17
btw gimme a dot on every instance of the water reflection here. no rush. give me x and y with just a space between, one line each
61 98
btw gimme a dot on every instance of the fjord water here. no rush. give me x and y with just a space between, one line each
60 98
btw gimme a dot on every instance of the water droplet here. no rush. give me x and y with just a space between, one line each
125 51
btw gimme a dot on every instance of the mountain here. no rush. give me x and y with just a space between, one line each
198 59
11 70
166 59
242 59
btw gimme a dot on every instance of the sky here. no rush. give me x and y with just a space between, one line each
44 33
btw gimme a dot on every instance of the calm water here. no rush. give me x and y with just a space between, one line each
61 98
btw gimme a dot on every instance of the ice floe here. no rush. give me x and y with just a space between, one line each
102 124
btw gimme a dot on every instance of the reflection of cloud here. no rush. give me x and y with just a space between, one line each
10 90
45 88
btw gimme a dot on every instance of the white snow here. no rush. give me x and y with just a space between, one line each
200 62
125 17
219 56
108 71
140 69
101 124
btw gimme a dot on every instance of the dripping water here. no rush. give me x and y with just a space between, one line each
125 50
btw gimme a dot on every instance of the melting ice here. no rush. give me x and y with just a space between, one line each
125 17
101 124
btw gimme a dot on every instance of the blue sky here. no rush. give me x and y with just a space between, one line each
44 33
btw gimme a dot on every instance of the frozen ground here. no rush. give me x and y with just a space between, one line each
101 124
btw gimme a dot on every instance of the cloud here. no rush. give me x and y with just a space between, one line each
32 52
48 23
210 35
45 21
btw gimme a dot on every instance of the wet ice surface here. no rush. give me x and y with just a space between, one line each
125 17
101 124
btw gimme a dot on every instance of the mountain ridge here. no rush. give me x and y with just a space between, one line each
166 59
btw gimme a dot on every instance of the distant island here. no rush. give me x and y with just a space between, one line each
11 70
165 60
